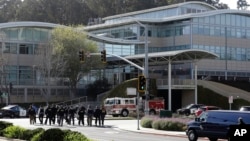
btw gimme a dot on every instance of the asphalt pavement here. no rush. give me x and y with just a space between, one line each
133 126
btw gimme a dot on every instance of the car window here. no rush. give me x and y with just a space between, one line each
203 117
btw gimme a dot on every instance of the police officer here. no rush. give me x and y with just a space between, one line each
48 113
81 114
103 114
60 113
41 114
53 113
97 114
72 115
90 113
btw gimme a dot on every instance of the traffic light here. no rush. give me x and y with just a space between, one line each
81 56
141 83
103 56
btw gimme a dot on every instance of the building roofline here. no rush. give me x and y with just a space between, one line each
188 54
173 18
27 24
159 8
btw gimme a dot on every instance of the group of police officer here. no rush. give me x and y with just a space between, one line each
60 113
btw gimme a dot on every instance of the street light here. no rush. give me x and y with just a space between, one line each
145 72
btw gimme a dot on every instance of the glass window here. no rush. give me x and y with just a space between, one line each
238 33
233 32
217 31
223 19
222 52
238 20
201 29
248 34
26 49
206 20
10 48
195 20
201 20
228 19
195 29
243 34
13 33
233 20
212 19
44 34
243 21
222 31
186 30
248 21
212 32
206 30
178 31
27 34
217 19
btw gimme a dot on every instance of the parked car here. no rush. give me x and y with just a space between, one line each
13 111
245 108
205 108
215 124
189 109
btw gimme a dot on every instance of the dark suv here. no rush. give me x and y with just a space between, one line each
215 124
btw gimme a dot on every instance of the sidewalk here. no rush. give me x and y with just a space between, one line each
134 128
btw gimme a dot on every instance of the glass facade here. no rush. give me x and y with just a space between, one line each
223 33
21 41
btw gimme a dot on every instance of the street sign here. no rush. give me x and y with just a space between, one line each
230 99
131 91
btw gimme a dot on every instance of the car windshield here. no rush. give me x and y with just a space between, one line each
189 106
7 107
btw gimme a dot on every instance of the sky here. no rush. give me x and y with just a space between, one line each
232 3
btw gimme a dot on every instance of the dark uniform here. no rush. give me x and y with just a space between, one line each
48 113
72 115
32 114
90 113
103 114
97 115
81 114
41 114
60 113
53 113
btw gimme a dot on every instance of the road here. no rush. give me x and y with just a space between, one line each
110 132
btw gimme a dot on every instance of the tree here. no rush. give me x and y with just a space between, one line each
67 42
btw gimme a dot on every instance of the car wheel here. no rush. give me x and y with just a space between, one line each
187 113
213 139
124 113
12 115
192 136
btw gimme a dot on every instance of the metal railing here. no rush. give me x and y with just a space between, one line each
161 82
73 102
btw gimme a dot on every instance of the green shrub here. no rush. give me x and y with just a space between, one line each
3 125
15 132
168 124
146 122
54 134
156 124
74 136
37 137
28 134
